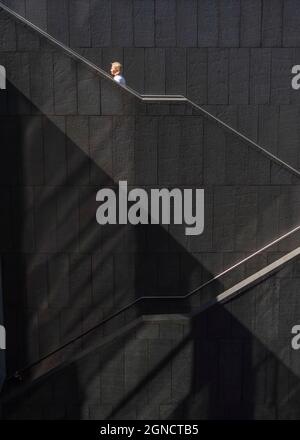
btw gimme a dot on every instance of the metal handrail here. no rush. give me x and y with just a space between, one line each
149 98
218 299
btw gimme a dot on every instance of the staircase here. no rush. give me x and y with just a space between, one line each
233 167
164 366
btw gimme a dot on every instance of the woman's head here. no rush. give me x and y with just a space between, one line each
116 68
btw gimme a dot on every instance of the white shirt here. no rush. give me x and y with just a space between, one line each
120 79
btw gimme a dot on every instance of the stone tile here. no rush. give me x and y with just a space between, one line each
79 19
65 87
260 65
100 23
58 20
144 25
251 23
208 23
165 17
187 23
122 23
272 23
229 23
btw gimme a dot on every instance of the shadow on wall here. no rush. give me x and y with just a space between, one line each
223 364
244 366
62 273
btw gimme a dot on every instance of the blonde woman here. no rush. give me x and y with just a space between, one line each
116 71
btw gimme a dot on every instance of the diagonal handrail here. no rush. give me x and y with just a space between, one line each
239 287
231 292
149 98
75 55
222 298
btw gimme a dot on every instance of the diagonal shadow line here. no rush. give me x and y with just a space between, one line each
13 393
167 297
114 184
196 389
218 276
183 297
73 176
224 297
126 400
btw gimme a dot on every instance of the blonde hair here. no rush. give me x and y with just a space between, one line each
117 65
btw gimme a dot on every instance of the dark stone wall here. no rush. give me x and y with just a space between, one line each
166 23
65 133
233 361
234 56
